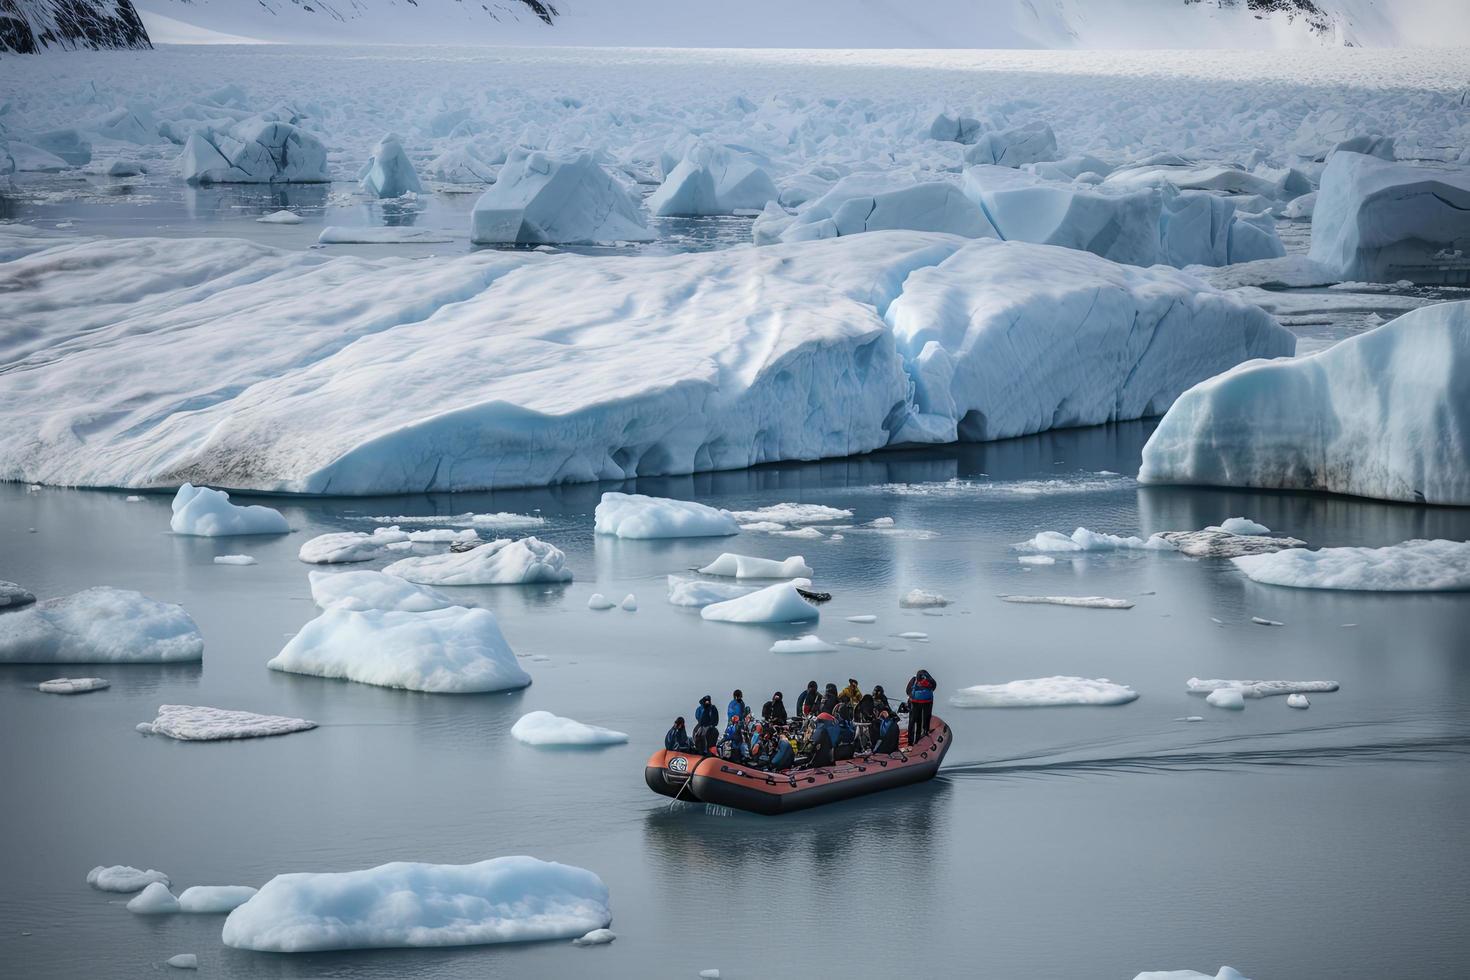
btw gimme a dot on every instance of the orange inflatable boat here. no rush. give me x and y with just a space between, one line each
707 779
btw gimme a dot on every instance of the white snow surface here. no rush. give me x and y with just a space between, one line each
359 590
545 728
197 723
156 899
442 651
570 367
499 562
1413 566
1083 602
809 643
1384 414
730 565
698 592
100 625
542 198
123 878
209 513
636 515
1260 689
73 685
1043 692
214 899
507 899
779 603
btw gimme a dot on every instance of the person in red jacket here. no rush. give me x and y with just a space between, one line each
920 690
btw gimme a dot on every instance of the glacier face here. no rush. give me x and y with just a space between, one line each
524 369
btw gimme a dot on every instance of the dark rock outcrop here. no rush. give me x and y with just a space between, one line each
29 26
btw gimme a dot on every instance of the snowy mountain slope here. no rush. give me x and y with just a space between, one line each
829 23
27 26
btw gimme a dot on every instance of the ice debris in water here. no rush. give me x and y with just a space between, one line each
347 547
555 199
388 171
545 728
859 643
810 643
1084 540
597 937
920 599
635 515
863 618
730 565
209 513
1262 621
123 878
1413 566
1226 697
1043 692
1260 689
214 899
1036 560
502 900
697 592
1214 542
599 601
500 562
1297 701
72 685
780 603
183 961
234 560
808 533
791 513
280 218
499 521
359 590
156 899
629 603
197 723
912 635
100 625
1087 602
13 596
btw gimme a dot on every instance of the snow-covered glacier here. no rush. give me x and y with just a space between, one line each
523 369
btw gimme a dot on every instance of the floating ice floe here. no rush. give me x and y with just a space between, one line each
598 601
508 899
73 685
1084 540
388 171
13 596
912 635
1297 701
1041 692
1384 414
1036 560
730 565
100 625
712 180
1226 697
1087 602
1213 542
780 603
183 961
545 198
280 218
545 728
1226 973
922 599
155 899
499 521
442 651
597 937
634 515
807 533
234 560
209 513
196 723
697 592
361 590
347 547
859 643
810 643
123 878
1260 689
1262 621
500 562
863 618
1379 221
763 526
214 899
782 514
1413 566
254 152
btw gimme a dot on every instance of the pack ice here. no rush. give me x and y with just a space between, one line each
99 625
1384 414
542 198
388 171
209 513
500 562
572 368
1382 221
254 152
502 900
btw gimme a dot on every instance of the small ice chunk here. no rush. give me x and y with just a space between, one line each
629 603
1226 973
156 899
1297 701
13 596
214 899
1261 621
545 728
234 560
280 218
1191 718
780 603
881 522
1041 692
709 975
697 592
920 599
1036 560
183 961
635 515
196 723
810 643
1086 602
346 547
1260 689
209 513
72 685
100 625
730 565
499 562
807 533
599 601
1240 525
1413 566
597 937
863 618
1228 698
133 499
791 513
123 878
913 635
360 589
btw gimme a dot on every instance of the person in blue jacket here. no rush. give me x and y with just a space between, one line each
921 688
732 745
677 739
737 706
781 755
886 741
706 725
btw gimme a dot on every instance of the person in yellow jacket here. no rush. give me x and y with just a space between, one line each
852 692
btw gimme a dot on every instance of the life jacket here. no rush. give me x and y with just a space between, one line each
736 708
922 690
783 757
734 742
705 717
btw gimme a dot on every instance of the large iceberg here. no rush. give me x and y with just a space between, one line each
100 625
541 198
500 562
502 900
1413 566
1382 221
388 171
254 152
635 515
1385 414
209 513
442 651
712 180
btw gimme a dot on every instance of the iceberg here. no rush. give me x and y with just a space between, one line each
1032 143
254 152
156 899
1226 697
348 547
442 651
100 625
712 180
696 593
1044 692
461 165
851 208
1413 566
214 899
634 515
502 900
209 513
360 590
388 171
500 562
545 728
599 602
780 603
540 198
1260 689
1380 221
13 596
73 685
744 566
123 878
1384 414
196 723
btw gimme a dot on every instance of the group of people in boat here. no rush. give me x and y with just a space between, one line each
825 725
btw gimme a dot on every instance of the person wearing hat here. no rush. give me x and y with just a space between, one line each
774 710
920 690
706 725
824 740
808 702
733 746
886 741
829 699
737 706
852 692
677 739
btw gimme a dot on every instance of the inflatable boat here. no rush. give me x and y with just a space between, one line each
707 779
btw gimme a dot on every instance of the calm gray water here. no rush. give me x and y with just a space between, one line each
1058 843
